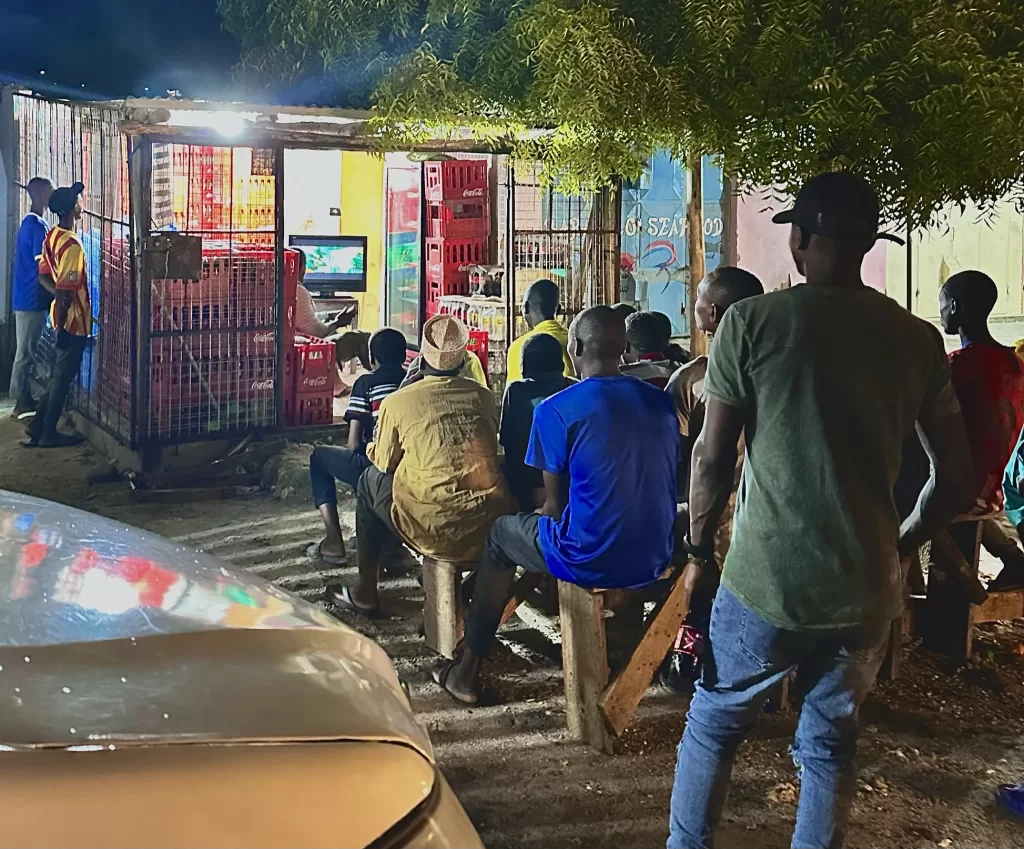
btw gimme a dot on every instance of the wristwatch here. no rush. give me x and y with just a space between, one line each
702 554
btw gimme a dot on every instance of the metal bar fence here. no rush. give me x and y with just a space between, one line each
212 342
68 142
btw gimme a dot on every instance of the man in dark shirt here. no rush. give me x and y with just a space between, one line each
543 377
29 299
329 463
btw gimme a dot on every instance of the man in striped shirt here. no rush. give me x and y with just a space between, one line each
329 463
644 357
62 268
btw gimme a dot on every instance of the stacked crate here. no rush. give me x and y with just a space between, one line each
213 348
309 374
458 224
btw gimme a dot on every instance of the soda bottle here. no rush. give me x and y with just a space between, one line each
682 667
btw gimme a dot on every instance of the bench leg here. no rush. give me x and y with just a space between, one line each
890 670
949 618
442 610
584 663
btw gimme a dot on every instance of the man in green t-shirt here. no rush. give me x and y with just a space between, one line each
825 381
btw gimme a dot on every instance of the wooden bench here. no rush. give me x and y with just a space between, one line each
598 707
949 616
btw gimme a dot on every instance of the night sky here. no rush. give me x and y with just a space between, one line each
114 48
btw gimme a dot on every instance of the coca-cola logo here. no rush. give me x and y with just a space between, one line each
473 193
262 385
315 381
263 337
315 355
465 267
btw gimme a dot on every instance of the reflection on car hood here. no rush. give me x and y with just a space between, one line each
112 636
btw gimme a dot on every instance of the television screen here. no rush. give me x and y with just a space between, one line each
334 264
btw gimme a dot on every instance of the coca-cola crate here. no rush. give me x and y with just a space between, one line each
190 382
436 290
456 179
478 344
203 304
258 377
457 220
315 366
311 409
449 260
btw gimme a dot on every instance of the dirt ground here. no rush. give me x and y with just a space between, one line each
935 742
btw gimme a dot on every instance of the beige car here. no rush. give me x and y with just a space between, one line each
152 696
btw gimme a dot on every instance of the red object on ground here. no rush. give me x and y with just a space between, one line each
457 220
478 344
456 179
309 377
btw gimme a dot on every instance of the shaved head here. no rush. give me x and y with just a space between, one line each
966 300
728 284
597 338
540 302
722 288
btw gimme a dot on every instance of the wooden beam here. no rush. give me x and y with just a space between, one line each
441 607
619 702
695 248
1000 605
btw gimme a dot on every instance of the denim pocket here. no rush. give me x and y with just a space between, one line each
735 629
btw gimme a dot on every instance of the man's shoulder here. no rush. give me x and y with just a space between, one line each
690 373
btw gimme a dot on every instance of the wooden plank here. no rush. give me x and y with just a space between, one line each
620 700
1005 604
584 663
890 670
523 587
441 606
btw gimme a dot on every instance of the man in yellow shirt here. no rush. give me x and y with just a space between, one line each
62 270
540 306
436 479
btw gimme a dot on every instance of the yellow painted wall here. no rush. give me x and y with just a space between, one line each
362 214
962 242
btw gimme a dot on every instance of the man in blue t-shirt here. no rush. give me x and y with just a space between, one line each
30 300
607 448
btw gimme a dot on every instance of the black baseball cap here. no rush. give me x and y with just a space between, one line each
838 206
62 201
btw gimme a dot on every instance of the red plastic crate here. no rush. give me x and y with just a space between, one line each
315 366
456 220
449 260
478 344
314 409
203 304
456 179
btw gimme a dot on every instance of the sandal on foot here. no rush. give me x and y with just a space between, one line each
342 597
440 676
315 552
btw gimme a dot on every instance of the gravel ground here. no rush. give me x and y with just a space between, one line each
935 742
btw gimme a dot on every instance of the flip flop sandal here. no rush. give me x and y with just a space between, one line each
344 600
313 552
440 676
1010 797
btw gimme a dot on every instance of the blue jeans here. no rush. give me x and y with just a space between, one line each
747 656
327 464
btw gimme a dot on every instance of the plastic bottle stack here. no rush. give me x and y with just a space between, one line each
458 224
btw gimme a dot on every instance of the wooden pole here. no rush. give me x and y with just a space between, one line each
695 248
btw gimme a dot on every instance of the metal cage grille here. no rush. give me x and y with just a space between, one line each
65 143
212 341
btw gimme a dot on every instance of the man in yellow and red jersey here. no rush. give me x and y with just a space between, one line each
62 269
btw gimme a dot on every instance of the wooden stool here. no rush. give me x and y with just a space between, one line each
447 588
596 711
949 615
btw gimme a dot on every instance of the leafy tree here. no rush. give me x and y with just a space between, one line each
925 98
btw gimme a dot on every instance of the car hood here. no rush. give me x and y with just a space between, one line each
112 636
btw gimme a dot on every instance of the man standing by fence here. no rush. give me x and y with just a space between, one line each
62 266
29 298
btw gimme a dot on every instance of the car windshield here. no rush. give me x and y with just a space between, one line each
71 576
